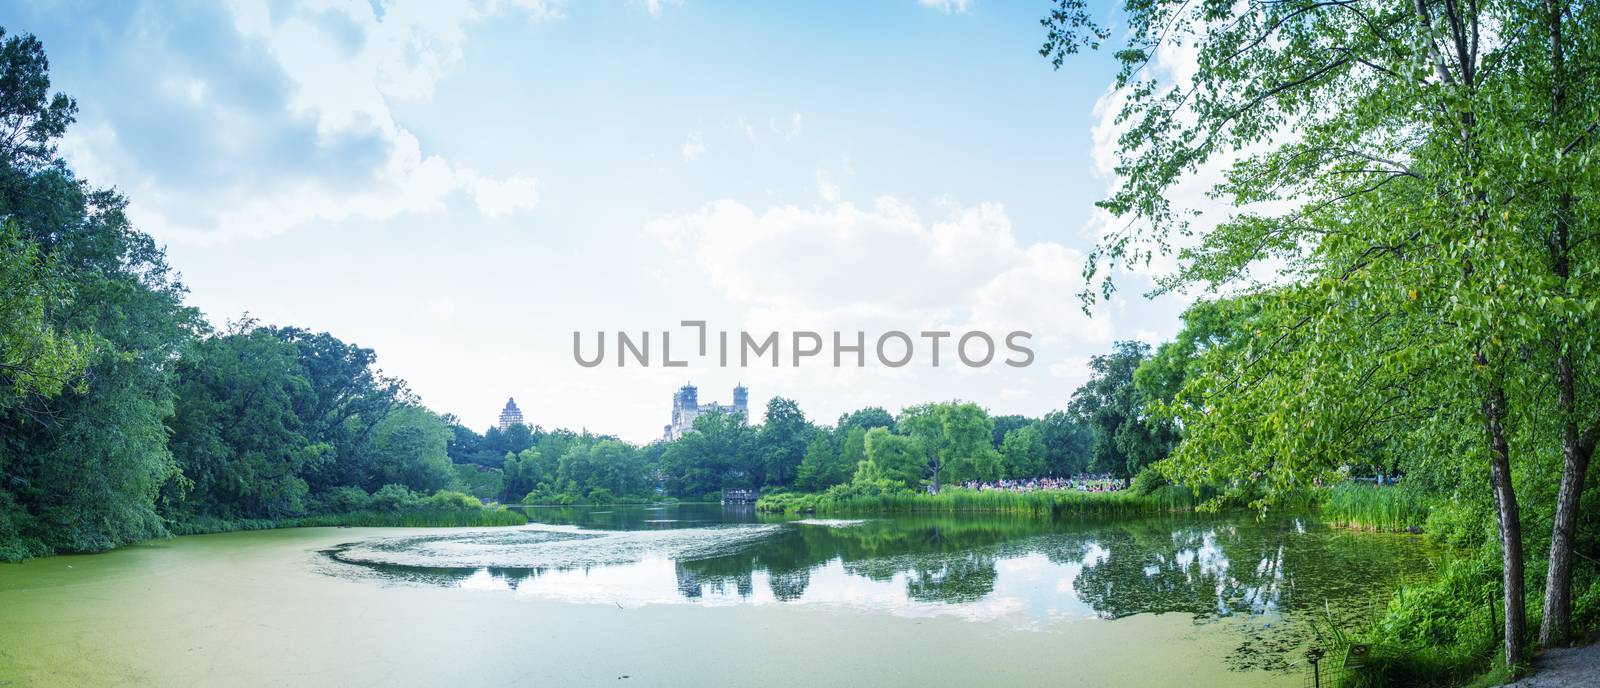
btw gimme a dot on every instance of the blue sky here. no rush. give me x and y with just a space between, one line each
462 186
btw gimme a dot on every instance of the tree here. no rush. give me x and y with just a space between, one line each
866 419
1126 435
525 472
821 455
782 441
957 438
36 358
85 456
1023 451
234 431
349 397
1422 176
895 458
409 447
1005 424
1066 444
719 454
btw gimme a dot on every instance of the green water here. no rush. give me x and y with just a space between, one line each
701 595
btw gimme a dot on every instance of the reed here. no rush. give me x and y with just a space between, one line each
417 518
1391 508
954 500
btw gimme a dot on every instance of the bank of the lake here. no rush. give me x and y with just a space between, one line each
1041 503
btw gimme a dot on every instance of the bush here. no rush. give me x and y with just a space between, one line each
1438 633
393 497
1147 481
446 499
1458 525
343 500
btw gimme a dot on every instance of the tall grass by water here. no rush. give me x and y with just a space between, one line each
954 500
421 518
1391 508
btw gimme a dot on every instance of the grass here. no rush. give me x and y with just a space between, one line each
1440 632
1369 507
954 500
419 518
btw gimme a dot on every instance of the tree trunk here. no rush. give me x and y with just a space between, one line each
1508 519
1558 578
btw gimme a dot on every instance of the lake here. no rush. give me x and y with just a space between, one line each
707 595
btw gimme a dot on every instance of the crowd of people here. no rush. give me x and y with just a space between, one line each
1085 483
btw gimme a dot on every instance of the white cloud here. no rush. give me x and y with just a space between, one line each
497 198
326 76
694 146
655 7
826 188
844 267
947 6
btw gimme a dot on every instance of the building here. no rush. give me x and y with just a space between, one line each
686 407
510 415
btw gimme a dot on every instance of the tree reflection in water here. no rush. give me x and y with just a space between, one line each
1209 567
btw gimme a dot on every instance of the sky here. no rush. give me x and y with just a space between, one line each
461 187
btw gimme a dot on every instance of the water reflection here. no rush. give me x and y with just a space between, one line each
1030 572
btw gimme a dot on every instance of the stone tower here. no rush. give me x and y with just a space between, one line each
510 415
686 407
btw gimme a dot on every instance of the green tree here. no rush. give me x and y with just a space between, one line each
896 458
1066 444
782 441
719 454
866 419
821 456
81 465
525 472
36 358
1023 452
1003 425
349 397
1422 177
409 447
1126 434
957 438
234 431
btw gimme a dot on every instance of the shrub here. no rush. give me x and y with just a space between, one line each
1148 480
343 500
393 497
446 499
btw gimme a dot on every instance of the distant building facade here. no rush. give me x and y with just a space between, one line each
510 415
686 407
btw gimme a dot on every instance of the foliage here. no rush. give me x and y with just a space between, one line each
783 441
82 456
1148 480
480 482
1411 255
1067 443
891 459
956 437
1023 452
1125 434
831 460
